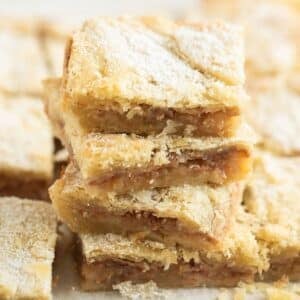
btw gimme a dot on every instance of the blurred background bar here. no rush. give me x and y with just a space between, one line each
75 11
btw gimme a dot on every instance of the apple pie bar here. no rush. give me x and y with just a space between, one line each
272 196
21 58
138 75
193 216
273 112
124 163
271 32
106 260
27 239
26 147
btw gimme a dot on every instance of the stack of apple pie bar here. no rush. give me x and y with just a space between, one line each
150 112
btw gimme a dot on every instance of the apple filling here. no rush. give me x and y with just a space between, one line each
215 168
145 120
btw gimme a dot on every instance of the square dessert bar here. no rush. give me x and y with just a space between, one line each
272 196
273 113
141 75
23 65
27 238
26 147
54 36
106 260
123 163
271 27
192 216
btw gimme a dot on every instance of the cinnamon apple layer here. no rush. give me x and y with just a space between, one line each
193 216
135 75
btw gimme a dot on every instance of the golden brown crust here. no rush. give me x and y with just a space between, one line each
196 216
27 237
33 188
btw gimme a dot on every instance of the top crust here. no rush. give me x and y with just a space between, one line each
133 61
26 139
27 238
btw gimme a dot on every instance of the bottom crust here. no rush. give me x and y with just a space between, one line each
105 261
287 267
31 189
103 275
146 226
107 273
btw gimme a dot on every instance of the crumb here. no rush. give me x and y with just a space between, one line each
282 282
148 291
